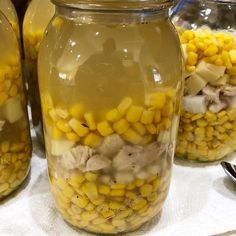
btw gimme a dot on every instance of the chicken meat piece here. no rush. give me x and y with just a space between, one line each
194 104
111 145
97 162
212 94
229 90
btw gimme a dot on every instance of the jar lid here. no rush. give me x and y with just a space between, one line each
115 4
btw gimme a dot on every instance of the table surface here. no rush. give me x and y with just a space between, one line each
201 201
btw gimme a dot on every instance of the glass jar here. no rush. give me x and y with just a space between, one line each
9 11
207 129
110 110
37 17
15 143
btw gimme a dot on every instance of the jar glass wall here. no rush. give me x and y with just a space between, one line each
8 9
15 143
37 17
110 111
207 32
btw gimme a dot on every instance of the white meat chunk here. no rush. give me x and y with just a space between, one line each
111 145
77 157
216 107
195 104
97 162
212 94
136 157
229 90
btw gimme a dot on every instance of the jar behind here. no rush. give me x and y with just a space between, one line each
207 31
37 17
8 9
15 144
110 111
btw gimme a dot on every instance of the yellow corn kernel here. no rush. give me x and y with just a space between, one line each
156 100
80 201
201 123
211 51
17 147
72 136
220 128
104 189
188 127
146 139
200 131
221 114
147 117
210 116
131 136
124 105
121 126
139 182
117 186
118 223
131 186
62 113
226 59
146 190
113 115
92 140
228 125
90 189
190 68
76 111
108 214
151 129
232 71
76 180
89 118
4 187
3 98
104 128
196 117
232 81
56 133
188 34
156 184
90 176
124 214
117 193
130 194
88 216
140 128
192 58
68 191
99 220
115 205
5 146
134 113
63 126
79 128
191 47
157 117
53 115
108 228
223 119
13 90
98 201
90 207
138 203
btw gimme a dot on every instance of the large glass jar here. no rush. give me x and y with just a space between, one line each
8 9
110 110
15 143
37 17
208 122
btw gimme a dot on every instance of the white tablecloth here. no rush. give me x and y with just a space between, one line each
201 201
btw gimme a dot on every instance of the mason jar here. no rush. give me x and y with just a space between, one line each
207 129
8 9
15 143
110 110
37 17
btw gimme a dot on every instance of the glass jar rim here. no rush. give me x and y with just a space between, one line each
114 4
220 1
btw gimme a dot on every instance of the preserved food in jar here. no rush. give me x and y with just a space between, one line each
15 144
37 17
110 111
8 9
207 129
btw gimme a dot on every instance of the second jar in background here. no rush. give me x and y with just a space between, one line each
37 17
207 31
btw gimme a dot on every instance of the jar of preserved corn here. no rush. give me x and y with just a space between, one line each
15 144
207 129
8 9
37 17
110 110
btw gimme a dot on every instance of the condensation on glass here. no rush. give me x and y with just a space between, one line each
110 102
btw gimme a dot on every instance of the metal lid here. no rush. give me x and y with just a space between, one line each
115 4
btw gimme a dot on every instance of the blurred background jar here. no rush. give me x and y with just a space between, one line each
15 143
110 110
207 129
8 9
37 17
21 6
